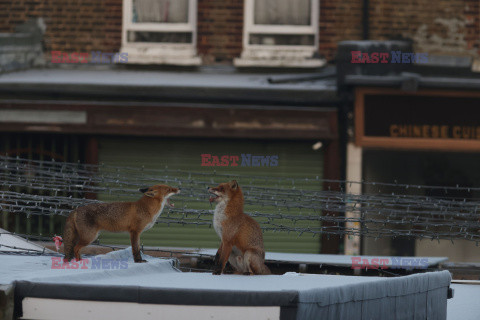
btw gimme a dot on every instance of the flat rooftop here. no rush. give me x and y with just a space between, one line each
210 85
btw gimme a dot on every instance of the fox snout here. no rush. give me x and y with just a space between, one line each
216 194
212 190
174 190
224 191
160 192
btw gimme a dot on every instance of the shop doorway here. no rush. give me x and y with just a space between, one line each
418 168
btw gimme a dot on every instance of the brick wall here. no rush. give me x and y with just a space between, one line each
339 21
220 30
444 26
72 25
449 27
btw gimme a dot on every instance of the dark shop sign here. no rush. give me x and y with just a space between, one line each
424 120
434 131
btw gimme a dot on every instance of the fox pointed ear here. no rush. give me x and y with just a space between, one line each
234 184
150 194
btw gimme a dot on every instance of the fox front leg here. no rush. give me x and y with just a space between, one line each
216 261
226 250
135 239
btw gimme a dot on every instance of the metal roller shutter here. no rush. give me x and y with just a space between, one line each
297 159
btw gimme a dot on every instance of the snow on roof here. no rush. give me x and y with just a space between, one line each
158 282
50 268
115 277
13 243
464 304
331 259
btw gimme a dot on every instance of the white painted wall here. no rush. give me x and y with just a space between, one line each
53 309
354 173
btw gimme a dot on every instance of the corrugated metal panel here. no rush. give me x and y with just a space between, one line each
296 160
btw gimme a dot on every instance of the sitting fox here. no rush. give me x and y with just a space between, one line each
84 223
242 240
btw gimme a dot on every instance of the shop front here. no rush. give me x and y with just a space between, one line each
429 137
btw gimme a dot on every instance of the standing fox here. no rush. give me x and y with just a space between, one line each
84 223
242 240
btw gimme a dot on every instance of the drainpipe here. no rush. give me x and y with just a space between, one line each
365 20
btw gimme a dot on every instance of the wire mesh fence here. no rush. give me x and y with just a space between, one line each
279 204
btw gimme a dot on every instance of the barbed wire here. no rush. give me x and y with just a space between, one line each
280 204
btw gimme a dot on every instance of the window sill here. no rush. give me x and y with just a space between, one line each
289 58
169 54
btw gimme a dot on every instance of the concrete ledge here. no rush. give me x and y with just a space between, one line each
295 57
275 63
174 54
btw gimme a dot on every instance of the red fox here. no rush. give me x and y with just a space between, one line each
84 223
242 240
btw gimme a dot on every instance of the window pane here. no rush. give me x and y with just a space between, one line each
282 39
165 37
175 11
290 12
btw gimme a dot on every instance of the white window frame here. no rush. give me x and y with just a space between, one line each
128 25
161 52
250 27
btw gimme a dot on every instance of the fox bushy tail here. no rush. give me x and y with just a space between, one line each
264 270
257 262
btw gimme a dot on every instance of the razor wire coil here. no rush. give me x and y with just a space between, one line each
280 204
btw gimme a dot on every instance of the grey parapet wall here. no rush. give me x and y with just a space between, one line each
23 49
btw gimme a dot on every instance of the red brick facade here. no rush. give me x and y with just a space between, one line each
449 27
220 30
444 26
72 25
339 20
